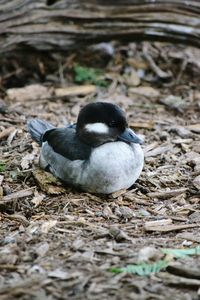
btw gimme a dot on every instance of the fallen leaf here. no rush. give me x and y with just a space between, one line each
27 160
38 198
149 253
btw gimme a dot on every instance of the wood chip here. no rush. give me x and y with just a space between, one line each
168 228
167 193
30 92
6 132
179 281
142 124
195 128
118 234
146 91
188 272
1 179
158 151
118 193
196 182
163 222
19 218
75 90
189 236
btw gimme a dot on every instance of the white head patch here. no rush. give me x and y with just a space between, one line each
100 128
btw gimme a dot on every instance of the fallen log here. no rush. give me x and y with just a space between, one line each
65 24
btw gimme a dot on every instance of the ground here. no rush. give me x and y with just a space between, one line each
59 243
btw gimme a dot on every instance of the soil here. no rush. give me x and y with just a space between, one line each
60 243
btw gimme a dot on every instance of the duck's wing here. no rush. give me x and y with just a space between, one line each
65 142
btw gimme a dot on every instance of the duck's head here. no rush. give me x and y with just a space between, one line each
103 122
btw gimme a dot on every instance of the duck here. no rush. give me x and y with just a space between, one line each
98 154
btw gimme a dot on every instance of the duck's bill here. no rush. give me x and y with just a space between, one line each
129 136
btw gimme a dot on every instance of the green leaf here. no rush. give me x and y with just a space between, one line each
143 269
182 252
2 166
84 74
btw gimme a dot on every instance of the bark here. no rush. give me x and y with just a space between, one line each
65 24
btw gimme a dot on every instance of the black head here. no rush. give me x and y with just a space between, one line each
100 122
103 122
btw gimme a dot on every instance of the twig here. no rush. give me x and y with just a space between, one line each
17 195
167 194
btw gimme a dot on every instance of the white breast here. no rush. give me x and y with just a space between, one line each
113 166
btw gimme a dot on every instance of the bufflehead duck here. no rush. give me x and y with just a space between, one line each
99 154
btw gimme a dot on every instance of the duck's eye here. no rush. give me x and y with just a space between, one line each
112 124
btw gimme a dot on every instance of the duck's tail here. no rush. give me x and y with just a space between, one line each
37 128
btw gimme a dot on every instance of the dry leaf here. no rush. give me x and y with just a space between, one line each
38 198
27 160
148 253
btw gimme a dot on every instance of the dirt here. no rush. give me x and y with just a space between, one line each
59 243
